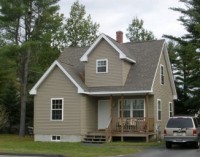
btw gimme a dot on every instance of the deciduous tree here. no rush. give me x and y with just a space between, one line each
80 30
136 32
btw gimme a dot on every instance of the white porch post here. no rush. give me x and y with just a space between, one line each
122 118
111 107
147 110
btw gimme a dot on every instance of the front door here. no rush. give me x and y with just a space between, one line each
103 114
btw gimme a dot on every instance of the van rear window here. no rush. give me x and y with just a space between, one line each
180 123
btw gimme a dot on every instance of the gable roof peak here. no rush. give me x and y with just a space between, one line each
33 91
110 41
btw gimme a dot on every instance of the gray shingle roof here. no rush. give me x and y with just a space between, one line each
141 74
70 61
123 48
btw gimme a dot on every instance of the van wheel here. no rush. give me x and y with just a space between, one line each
196 145
168 145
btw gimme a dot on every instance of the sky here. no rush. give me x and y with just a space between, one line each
115 15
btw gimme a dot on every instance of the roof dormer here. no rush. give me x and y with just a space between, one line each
123 53
107 62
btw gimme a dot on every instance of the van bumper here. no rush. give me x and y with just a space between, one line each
181 139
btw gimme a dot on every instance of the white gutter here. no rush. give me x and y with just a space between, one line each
118 92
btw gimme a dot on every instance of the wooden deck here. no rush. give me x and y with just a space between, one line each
123 128
130 127
102 133
146 135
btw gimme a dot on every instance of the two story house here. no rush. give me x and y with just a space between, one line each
110 88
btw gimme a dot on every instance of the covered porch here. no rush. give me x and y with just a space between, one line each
125 116
130 127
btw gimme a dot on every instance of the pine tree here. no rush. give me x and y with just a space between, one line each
3 117
11 104
187 72
31 25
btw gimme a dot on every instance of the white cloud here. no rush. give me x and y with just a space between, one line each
114 15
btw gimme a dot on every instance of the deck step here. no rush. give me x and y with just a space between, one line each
94 138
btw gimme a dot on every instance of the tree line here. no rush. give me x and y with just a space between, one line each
184 54
33 33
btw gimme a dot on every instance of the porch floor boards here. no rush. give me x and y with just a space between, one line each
146 135
134 134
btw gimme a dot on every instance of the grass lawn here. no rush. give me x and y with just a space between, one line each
15 144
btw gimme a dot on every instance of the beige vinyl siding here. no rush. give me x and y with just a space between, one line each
114 77
88 114
162 92
125 69
151 108
57 85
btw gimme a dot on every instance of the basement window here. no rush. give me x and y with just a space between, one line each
55 138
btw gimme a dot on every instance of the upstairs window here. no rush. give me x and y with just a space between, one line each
57 109
102 66
162 77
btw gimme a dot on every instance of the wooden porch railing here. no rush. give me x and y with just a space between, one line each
133 124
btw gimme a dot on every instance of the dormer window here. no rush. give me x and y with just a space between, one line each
102 66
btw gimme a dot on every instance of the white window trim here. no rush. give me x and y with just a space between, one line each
171 111
56 138
62 109
162 66
131 108
159 100
97 66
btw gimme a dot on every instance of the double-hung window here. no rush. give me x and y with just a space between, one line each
133 108
170 109
159 110
102 66
138 108
126 108
57 105
162 77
